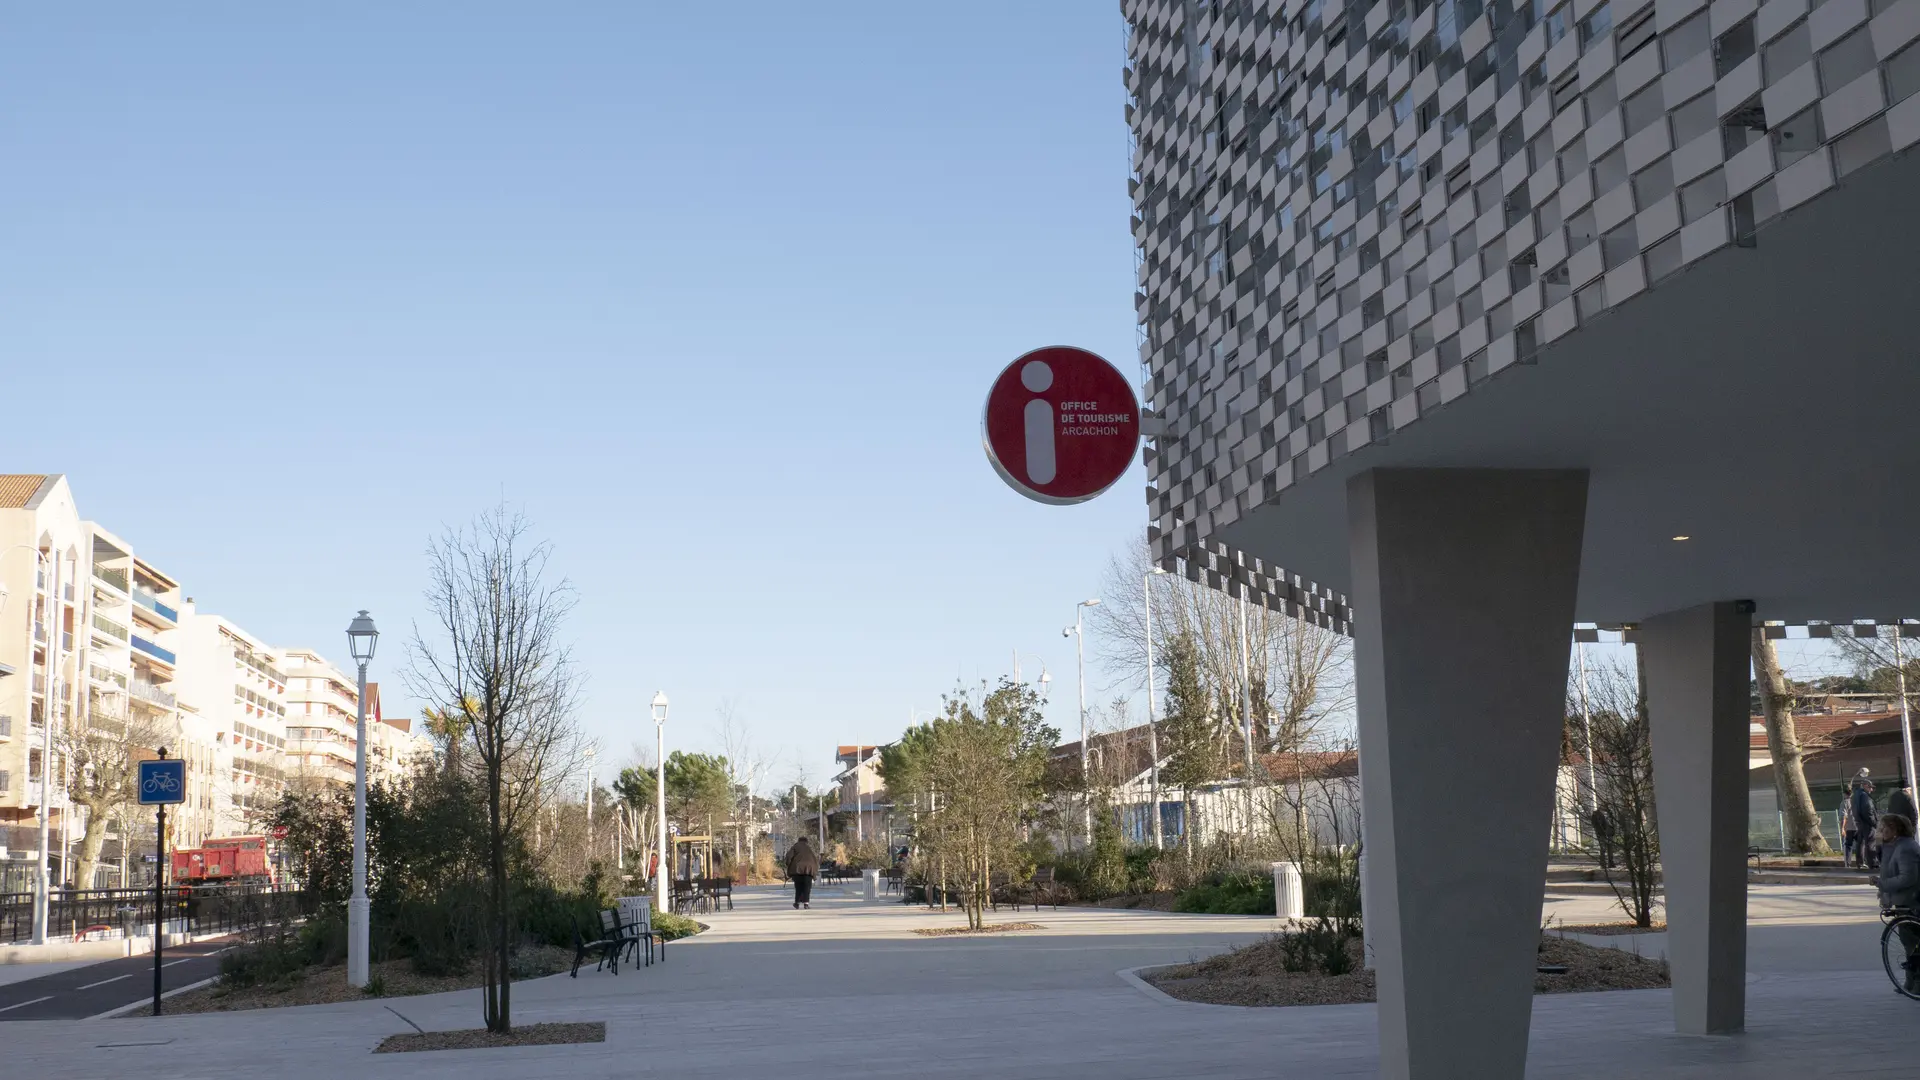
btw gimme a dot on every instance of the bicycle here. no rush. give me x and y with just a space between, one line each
1902 933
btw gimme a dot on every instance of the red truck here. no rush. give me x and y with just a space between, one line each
226 860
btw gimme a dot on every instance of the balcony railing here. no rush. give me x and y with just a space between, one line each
6 727
107 675
153 650
40 633
148 692
113 576
109 627
152 603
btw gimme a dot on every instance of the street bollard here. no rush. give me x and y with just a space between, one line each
1289 892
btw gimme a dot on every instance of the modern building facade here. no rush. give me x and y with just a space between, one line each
322 725
1464 321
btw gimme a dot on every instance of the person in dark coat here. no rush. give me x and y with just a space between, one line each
802 865
1603 834
1865 820
1901 802
1849 838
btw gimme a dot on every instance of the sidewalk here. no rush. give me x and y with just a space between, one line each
847 990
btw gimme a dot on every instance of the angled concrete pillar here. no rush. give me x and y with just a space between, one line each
1696 664
1463 594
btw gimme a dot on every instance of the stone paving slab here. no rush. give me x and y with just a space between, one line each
846 990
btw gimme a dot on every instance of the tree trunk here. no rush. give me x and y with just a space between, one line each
1789 776
499 1016
90 841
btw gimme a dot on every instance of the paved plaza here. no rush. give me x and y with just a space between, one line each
847 990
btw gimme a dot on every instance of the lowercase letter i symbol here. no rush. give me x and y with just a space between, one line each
1037 376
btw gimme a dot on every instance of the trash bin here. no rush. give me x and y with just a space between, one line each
1289 892
872 885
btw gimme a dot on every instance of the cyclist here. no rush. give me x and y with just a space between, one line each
1900 885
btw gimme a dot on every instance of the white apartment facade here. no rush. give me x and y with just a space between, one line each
236 695
323 713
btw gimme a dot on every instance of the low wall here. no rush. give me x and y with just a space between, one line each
109 949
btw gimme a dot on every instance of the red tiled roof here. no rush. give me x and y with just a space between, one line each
1816 731
1312 765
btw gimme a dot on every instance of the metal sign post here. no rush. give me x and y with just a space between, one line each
161 782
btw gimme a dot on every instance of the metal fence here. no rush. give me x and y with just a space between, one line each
207 909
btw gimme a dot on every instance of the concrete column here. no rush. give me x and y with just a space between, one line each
1463 596
1696 665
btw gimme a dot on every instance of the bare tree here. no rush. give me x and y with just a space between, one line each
1298 676
1783 743
100 759
745 764
494 658
1623 764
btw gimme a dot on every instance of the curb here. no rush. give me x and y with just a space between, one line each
1131 976
130 1006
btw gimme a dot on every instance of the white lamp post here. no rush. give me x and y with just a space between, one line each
1078 631
1153 715
361 638
660 797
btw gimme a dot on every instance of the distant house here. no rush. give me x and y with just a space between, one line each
1834 747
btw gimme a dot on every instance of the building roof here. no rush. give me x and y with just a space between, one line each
18 489
1820 730
1312 765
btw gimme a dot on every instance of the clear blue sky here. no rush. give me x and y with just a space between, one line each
711 291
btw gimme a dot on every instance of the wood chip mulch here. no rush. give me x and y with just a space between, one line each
990 928
1610 929
482 1039
1253 975
327 985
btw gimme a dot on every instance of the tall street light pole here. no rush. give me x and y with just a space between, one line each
55 697
1153 715
1078 631
361 638
660 800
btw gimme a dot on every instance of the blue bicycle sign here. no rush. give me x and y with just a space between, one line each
163 782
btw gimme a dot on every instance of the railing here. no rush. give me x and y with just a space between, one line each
112 576
107 675
109 627
207 909
148 692
40 633
6 727
152 603
153 650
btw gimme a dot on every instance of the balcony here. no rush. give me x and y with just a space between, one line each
106 676
116 577
144 599
109 627
6 727
151 693
165 656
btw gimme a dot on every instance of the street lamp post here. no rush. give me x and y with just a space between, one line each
1153 715
665 865
361 638
1078 631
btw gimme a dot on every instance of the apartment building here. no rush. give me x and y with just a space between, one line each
43 550
323 705
234 693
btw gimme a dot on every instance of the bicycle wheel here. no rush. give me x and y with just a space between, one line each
1893 954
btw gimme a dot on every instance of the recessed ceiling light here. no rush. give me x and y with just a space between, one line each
1683 538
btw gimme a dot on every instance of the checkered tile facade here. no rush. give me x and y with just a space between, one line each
1348 216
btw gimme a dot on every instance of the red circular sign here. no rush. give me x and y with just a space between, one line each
1061 425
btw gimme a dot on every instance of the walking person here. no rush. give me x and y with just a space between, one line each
1849 838
1864 821
802 864
1900 883
1603 835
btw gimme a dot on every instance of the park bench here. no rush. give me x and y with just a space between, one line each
601 947
892 878
636 912
716 889
1044 888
